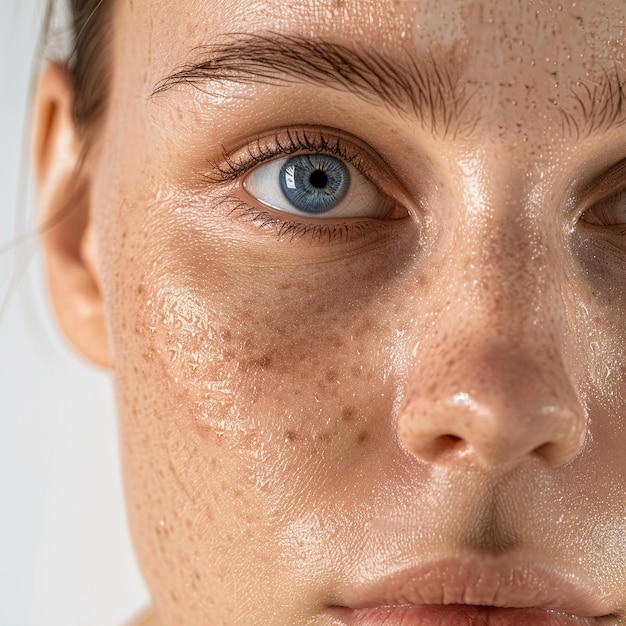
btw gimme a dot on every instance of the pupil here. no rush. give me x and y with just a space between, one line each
318 179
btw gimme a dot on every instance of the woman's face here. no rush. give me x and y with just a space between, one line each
401 382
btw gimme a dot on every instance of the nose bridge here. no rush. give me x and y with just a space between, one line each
489 381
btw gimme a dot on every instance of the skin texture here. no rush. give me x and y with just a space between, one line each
300 415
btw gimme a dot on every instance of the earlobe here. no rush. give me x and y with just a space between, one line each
66 225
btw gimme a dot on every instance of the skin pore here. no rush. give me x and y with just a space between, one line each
310 407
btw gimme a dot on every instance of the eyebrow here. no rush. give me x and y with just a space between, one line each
424 88
597 104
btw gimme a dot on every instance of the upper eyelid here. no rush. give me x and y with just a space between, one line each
599 186
272 146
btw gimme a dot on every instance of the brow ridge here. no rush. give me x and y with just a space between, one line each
598 104
421 87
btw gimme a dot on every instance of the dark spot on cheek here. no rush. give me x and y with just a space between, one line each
140 289
226 336
348 413
331 376
265 361
291 436
362 438
356 370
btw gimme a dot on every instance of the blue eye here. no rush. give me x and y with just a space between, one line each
318 186
314 183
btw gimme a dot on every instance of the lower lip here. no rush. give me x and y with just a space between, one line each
456 614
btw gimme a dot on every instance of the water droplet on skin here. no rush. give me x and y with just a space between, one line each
222 398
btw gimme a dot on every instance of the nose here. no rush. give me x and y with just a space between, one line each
493 404
489 384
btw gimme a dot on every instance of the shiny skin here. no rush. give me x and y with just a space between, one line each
298 416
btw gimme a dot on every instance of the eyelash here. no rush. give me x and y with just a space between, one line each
232 168
285 143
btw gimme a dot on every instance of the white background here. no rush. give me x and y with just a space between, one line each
65 556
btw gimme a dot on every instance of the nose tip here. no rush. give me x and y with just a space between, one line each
494 413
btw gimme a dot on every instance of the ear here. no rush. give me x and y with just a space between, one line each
66 224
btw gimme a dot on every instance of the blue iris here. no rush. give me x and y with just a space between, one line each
314 183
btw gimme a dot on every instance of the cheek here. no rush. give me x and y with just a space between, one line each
268 368
249 392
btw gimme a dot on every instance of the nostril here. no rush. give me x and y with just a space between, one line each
445 444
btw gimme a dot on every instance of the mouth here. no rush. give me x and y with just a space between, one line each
455 592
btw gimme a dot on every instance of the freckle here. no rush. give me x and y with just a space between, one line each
226 336
264 362
285 286
321 308
362 437
348 413
290 435
331 376
356 370
325 437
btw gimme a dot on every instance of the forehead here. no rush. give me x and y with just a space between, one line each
519 59
559 35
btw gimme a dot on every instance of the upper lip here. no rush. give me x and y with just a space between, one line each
474 582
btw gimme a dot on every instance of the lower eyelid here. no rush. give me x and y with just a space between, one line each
323 232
